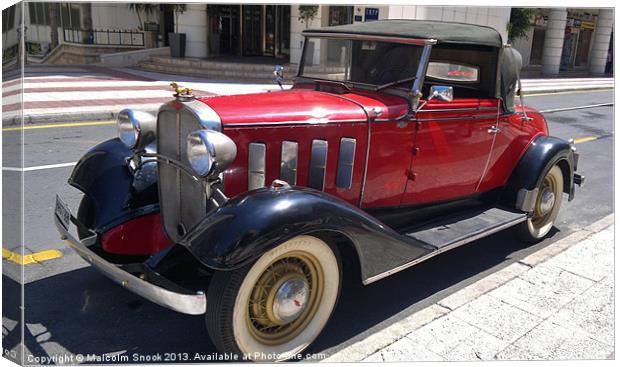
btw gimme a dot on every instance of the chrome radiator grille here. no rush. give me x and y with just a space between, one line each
182 199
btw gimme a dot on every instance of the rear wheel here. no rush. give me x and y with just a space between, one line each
277 306
546 208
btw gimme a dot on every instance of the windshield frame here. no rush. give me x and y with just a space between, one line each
355 37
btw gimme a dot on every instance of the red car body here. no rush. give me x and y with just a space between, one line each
445 152
368 156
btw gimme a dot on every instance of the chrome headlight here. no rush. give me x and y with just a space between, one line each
210 152
136 129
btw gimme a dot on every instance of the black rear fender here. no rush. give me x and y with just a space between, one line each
541 155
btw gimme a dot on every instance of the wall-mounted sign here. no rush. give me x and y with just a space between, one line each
371 14
358 18
151 26
587 24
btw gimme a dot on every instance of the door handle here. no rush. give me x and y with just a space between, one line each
494 130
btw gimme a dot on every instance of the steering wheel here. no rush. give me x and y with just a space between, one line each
389 75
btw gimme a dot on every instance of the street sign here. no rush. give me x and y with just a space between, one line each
371 14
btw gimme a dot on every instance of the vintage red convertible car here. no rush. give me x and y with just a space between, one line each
398 141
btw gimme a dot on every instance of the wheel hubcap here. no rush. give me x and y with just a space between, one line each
291 300
546 202
285 298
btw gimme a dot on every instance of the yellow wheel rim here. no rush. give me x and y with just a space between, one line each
545 201
271 315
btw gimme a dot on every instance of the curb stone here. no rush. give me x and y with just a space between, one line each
387 336
367 347
566 242
482 286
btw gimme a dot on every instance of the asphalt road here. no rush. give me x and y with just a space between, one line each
72 309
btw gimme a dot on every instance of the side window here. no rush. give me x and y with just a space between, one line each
452 72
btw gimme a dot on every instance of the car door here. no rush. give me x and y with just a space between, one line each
511 140
451 150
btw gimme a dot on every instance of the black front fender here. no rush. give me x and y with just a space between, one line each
542 154
254 222
102 174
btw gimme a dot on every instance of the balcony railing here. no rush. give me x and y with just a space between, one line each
104 37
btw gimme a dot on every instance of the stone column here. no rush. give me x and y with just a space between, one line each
193 22
554 41
598 56
297 27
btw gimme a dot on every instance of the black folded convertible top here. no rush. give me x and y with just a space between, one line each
443 32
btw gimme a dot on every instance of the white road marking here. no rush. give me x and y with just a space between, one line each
577 107
38 168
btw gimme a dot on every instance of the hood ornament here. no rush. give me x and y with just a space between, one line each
182 94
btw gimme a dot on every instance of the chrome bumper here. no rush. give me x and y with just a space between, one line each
188 303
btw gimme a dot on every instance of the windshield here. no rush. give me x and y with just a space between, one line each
358 61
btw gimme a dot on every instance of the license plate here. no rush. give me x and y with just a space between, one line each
63 213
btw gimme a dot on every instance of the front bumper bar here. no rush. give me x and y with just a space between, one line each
184 302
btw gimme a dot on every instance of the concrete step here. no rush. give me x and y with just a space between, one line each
221 65
210 73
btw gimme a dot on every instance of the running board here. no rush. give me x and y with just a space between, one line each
447 233
452 232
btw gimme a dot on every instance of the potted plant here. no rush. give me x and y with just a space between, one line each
177 40
147 9
139 8
306 14
520 23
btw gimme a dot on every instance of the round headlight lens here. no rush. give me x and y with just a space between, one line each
210 152
135 128
198 153
128 129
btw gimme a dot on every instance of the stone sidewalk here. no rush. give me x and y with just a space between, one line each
555 304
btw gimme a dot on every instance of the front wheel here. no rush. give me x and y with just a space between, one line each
546 208
276 307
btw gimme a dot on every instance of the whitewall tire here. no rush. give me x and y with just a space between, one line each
274 308
546 207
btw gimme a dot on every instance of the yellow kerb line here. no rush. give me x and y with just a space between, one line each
37 257
51 126
586 139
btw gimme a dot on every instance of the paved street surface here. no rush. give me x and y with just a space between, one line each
70 93
72 309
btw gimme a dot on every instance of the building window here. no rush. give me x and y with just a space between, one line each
39 13
8 19
339 15
70 15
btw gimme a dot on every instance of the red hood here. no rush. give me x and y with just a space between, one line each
297 105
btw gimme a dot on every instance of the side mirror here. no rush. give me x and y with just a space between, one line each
278 72
441 93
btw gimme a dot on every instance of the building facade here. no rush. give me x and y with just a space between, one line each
560 39
564 40
275 30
